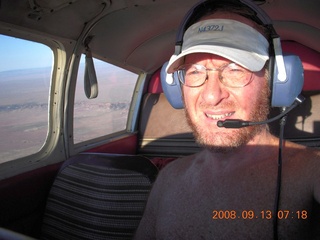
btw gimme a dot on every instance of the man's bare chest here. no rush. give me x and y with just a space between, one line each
238 205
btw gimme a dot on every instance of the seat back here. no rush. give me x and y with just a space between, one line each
164 131
98 196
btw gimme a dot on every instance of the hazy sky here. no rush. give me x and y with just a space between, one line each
20 54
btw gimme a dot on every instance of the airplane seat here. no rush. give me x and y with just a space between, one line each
98 196
155 83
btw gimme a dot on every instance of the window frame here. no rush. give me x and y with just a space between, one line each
53 144
132 118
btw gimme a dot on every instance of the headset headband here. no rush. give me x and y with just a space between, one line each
201 7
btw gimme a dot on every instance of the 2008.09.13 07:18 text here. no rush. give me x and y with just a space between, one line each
264 214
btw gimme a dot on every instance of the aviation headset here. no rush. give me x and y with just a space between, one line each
285 71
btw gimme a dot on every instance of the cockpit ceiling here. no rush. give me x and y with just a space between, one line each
141 33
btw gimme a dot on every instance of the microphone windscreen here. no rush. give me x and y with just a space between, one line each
233 123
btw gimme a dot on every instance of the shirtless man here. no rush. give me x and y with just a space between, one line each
228 190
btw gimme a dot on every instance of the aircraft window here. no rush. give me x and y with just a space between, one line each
108 112
25 74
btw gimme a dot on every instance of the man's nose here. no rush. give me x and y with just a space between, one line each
213 91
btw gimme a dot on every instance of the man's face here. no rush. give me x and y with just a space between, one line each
213 101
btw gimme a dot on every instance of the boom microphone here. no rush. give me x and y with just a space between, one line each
237 123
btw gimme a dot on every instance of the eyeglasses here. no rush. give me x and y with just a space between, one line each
230 75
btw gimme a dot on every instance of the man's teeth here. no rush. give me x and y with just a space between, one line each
218 117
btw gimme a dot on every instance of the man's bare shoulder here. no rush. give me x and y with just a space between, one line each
303 163
301 154
181 164
177 170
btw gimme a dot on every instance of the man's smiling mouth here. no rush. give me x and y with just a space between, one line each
218 116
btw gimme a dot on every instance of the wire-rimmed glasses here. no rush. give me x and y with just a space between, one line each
230 74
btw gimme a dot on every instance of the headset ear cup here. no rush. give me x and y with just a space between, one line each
171 87
285 92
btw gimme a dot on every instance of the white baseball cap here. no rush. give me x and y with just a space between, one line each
227 38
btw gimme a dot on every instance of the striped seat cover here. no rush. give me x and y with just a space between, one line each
98 196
